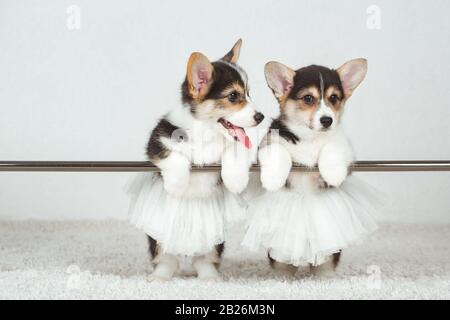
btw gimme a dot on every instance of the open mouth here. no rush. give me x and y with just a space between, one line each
237 133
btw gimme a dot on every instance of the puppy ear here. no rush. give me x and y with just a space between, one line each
233 55
279 78
199 75
352 73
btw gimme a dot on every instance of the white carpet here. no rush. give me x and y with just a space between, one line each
108 259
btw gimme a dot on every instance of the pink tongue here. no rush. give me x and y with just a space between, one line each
240 134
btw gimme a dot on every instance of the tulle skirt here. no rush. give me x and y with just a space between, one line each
306 228
183 225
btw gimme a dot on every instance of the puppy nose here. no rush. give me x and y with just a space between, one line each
326 121
258 117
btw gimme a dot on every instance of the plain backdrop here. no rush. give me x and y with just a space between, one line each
94 93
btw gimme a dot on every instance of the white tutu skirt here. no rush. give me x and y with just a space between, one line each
306 228
184 225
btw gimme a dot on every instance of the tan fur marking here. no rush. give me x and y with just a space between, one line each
191 61
312 91
307 109
338 105
225 103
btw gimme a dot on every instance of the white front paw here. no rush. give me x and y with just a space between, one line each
176 184
272 180
234 180
333 175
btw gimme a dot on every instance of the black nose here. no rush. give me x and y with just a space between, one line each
326 121
258 117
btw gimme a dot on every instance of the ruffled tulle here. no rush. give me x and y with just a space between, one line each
305 228
185 225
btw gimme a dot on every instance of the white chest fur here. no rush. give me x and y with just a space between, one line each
203 147
204 143
308 152
305 153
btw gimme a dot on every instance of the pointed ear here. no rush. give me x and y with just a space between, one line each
233 55
199 75
279 78
352 73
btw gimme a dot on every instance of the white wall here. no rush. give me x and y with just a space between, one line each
95 93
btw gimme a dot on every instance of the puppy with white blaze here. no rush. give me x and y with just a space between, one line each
184 213
306 219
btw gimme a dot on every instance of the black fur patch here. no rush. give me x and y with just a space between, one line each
283 131
155 149
311 76
223 76
271 260
219 249
336 257
152 247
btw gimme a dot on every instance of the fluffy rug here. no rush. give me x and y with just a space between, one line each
108 260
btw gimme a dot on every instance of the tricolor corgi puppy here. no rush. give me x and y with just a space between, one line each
312 101
308 218
184 212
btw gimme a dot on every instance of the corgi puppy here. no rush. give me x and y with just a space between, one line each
312 101
308 218
184 212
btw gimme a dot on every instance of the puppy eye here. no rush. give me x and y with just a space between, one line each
233 97
308 99
333 98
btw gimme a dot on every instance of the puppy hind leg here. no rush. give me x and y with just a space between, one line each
165 265
219 248
207 265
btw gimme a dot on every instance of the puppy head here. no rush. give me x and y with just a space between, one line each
218 92
314 96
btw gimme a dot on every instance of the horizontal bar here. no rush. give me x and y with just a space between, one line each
143 166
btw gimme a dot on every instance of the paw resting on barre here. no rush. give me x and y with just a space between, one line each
332 173
235 180
272 180
176 183
235 168
276 164
175 170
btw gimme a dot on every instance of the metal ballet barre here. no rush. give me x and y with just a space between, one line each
142 166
